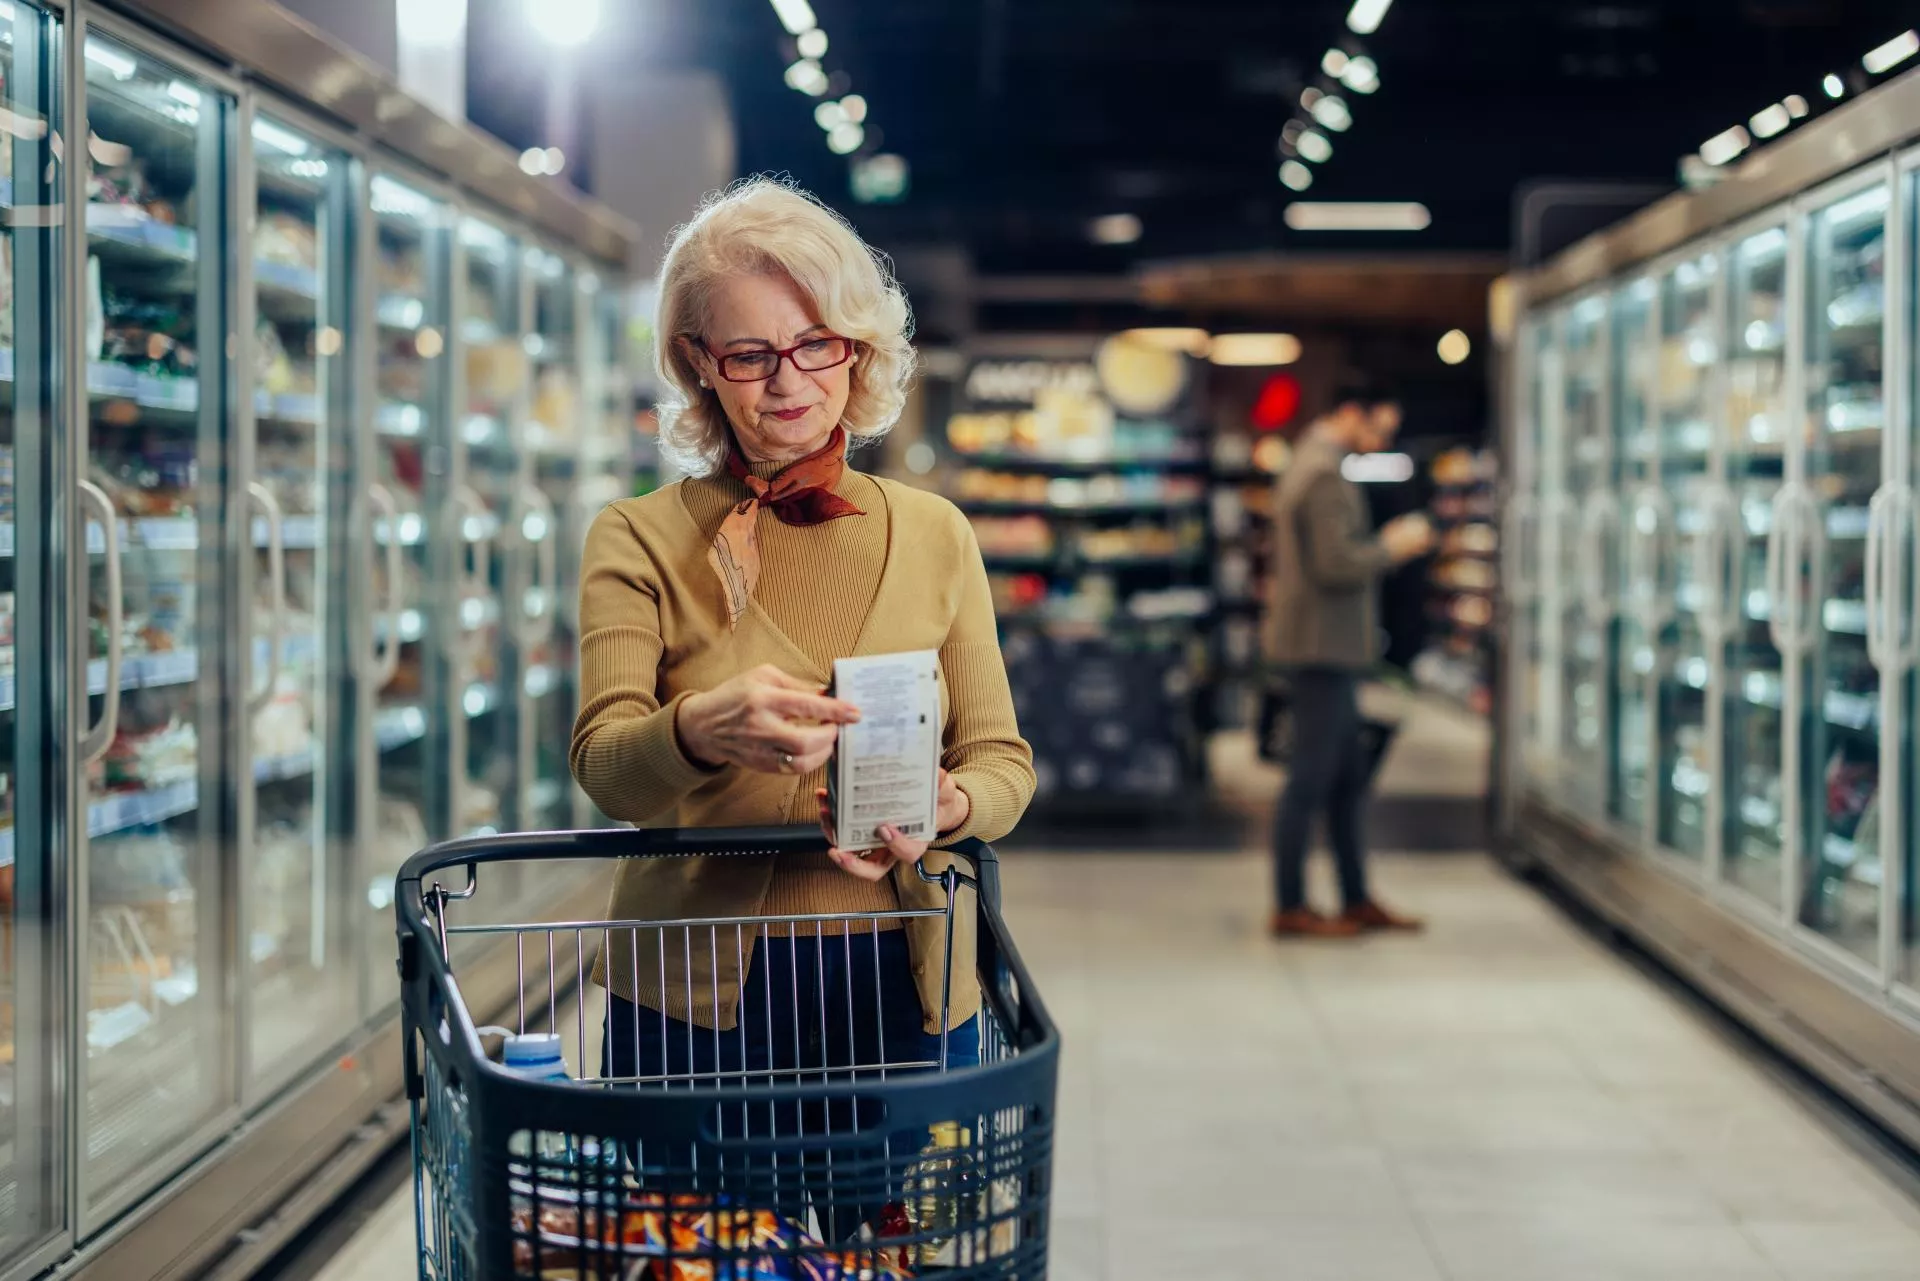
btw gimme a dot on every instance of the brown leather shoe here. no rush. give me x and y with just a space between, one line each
1304 922
1372 916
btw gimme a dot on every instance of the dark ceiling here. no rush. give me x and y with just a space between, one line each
1024 119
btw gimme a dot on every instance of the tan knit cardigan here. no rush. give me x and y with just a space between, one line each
653 631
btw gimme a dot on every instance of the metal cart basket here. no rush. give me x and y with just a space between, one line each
804 1125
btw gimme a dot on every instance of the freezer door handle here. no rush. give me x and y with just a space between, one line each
1712 566
1873 575
386 658
463 643
275 519
1803 536
97 738
547 563
1598 521
1522 515
1899 632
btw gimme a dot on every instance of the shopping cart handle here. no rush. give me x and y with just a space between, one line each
658 842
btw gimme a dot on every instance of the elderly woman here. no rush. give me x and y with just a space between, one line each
711 613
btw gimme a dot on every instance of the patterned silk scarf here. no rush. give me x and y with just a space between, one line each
800 494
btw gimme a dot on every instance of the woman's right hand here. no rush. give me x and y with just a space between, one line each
763 720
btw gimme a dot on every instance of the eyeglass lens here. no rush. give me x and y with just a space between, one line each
757 366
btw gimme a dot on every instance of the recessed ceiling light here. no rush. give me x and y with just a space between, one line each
1892 53
812 43
1833 86
1770 120
1358 215
1364 18
1192 341
1454 347
1244 350
1725 145
1314 146
1115 229
1296 175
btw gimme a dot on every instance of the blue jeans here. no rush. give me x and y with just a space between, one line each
811 1010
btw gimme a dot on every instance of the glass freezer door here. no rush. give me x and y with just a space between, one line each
298 986
405 791
154 1003
32 707
1688 355
1584 626
1757 418
1642 514
1846 408
548 640
495 385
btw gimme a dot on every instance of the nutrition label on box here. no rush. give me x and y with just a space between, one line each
885 767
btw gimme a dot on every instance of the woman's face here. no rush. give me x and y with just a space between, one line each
792 413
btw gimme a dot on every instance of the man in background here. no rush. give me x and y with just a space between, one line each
1324 635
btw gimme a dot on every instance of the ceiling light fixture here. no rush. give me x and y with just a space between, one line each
1892 53
1296 175
795 15
1314 146
1796 106
1358 215
1725 145
1770 120
1310 97
118 64
1115 229
564 26
1833 86
533 161
829 115
1454 347
1251 350
806 76
1181 338
845 138
1361 75
812 44
272 135
1332 112
855 108
1334 61
1364 18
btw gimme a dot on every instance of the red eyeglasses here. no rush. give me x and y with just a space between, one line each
810 357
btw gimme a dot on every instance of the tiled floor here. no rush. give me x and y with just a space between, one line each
1499 1099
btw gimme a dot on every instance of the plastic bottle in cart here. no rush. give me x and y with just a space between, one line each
537 1057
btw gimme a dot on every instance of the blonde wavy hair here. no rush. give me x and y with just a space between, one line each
761 226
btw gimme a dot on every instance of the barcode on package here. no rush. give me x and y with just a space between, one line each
912 829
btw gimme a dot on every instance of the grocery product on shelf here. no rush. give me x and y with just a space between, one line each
1463 579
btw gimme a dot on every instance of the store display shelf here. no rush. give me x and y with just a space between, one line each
1167 560
122 810
300 409
108 381
1845 617
125 233
182 534
1086 466
1174 507
1020 560
398 418
396 726
280 769
400 311
413 626
138 671
286 280
485 431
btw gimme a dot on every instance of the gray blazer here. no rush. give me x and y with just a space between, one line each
1327 564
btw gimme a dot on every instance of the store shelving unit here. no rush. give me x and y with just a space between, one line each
1463 579
1094 533
1712 548
241 604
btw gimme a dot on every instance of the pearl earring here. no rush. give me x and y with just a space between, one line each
703 382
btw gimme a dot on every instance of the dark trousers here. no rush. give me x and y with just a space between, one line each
811 1009
1329 775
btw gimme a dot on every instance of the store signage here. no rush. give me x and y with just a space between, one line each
1021 382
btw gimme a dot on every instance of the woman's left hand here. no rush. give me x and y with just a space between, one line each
871 865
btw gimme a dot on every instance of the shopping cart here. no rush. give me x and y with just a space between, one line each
784 1146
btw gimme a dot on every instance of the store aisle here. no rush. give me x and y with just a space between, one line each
1500 1099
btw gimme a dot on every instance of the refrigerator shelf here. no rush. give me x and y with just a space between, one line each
127 234
275 769
139 671
157 393
1845 617
123 810
396 726
300 409
398 418
285 280
400 312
